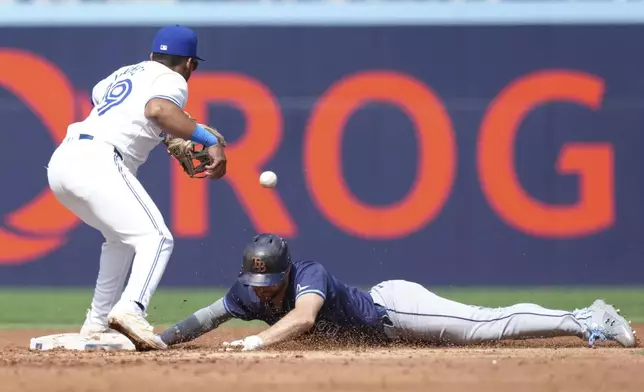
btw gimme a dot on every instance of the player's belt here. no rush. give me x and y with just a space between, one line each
90 137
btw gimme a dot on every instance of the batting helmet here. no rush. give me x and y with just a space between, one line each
266 260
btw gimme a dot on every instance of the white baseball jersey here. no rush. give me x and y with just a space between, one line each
118 116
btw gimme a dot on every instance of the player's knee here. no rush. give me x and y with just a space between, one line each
166 238
160 239
169 241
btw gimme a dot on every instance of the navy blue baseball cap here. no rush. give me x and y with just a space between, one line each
177 41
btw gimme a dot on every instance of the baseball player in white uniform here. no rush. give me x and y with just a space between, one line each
93 174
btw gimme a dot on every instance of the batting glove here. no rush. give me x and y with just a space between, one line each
249 343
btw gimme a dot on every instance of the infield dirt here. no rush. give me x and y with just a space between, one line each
561 364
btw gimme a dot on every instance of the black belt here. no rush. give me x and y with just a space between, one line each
90 137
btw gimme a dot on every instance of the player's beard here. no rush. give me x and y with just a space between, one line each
276 296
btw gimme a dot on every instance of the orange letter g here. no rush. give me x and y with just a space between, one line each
592 162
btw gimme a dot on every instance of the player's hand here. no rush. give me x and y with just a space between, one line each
249 343
217 168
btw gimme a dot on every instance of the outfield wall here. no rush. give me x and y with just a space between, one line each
450 146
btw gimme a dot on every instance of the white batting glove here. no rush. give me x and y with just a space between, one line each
249 343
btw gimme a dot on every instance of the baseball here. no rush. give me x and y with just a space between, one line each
268 179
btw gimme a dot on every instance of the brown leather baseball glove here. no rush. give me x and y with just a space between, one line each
193 159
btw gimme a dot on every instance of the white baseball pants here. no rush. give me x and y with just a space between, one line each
417 314
89 178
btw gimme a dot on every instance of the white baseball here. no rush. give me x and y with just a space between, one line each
268 179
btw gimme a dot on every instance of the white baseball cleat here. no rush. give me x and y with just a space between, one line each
94 329
127 318
93 325
607 324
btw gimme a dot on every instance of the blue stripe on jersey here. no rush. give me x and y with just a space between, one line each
166 97
318 292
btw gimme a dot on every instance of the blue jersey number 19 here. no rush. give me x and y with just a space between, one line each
114 95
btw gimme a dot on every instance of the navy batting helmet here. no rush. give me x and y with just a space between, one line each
266 260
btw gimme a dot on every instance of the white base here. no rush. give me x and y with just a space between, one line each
74 341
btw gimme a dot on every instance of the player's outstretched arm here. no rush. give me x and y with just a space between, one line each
170 118
200 322
295 323
177 123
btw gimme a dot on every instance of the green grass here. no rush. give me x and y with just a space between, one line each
65 308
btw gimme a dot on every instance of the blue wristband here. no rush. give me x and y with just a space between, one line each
200 135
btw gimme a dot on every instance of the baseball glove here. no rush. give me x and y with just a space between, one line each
193 160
